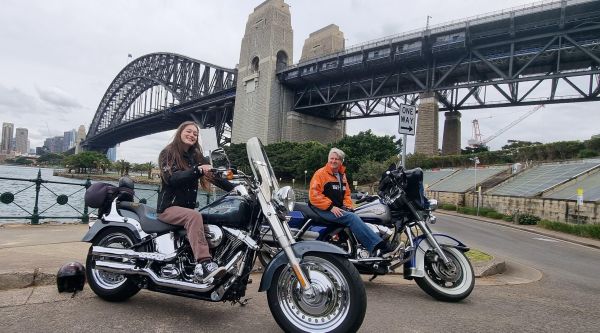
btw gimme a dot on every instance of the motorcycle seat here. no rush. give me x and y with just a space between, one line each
307 211
147 217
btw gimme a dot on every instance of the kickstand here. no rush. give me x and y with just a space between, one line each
373 277
242 302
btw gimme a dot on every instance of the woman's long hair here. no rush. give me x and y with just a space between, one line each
173 154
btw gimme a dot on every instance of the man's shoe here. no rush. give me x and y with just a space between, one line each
382 249
207 271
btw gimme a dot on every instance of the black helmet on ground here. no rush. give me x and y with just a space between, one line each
70 277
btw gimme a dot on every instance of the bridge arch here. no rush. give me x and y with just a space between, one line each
183 79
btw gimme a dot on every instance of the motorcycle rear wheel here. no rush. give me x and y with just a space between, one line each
340 302
448 284
110 286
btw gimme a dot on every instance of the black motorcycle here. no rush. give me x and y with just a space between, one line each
311 286
399 214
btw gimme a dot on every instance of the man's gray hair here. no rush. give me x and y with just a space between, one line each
337 151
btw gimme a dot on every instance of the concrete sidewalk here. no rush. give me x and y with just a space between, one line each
30 255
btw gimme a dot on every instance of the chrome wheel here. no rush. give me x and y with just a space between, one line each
110 280
111 286
323 311
452 282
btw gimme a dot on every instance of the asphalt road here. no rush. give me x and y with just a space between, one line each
564 300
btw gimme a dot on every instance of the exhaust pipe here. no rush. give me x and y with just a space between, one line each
131 254
132 269
129 269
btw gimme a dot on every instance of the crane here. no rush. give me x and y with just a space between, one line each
476 140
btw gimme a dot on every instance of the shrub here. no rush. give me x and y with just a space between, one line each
528 219
448 207
467 210
494 215
583 230
585 153
507 218
484 211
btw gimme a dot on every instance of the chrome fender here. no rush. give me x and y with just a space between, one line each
415 267
101 225
300 249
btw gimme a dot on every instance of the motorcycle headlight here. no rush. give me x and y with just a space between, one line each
285 199
433 204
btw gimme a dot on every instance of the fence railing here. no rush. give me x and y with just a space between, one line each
38 213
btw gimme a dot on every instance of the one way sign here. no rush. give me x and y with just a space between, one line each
407 119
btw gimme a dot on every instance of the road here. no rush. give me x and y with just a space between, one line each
565 299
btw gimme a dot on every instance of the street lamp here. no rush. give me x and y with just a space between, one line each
305 171
476 161
293 182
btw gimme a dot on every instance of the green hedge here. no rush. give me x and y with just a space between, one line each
528 219
448 207
494 215
583 230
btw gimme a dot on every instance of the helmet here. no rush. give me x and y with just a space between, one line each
70 277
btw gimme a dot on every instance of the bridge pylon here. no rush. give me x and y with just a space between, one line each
262 104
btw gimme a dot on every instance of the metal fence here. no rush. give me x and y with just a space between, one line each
81 212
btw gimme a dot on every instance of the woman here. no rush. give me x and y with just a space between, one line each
182 168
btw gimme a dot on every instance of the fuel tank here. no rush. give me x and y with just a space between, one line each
228 211
374 212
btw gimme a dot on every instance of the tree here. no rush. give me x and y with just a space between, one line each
147 167
50 159
122 166
86 160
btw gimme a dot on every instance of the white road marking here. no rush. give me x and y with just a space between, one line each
546 239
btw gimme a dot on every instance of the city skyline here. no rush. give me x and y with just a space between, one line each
63 87
19 142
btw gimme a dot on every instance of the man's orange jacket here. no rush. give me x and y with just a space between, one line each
325 190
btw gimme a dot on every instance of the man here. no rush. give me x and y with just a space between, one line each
329 195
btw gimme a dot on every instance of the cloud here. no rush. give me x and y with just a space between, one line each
13 98
57 97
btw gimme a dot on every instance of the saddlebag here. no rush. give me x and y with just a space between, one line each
100 195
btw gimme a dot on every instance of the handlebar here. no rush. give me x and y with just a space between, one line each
367 198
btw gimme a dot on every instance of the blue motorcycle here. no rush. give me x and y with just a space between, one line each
400 214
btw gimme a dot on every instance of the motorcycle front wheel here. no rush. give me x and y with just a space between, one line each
107 285
450 283
339 303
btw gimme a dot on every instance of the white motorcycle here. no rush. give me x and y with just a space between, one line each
311 286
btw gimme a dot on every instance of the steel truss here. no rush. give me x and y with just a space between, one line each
165 86
551 67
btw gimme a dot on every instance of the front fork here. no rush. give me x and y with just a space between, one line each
423 226
283 235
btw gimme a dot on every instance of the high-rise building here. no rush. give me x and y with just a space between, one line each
78 138
57 146
21 138
7 136
111 154
69 139
54 145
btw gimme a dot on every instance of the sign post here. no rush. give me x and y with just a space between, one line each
406 126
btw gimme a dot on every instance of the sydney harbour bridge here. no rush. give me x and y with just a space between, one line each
543 53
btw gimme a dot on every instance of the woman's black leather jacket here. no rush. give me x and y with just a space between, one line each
180 187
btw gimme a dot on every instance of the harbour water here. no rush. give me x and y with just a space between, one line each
24 195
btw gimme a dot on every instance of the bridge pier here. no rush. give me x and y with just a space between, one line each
451 138
426 139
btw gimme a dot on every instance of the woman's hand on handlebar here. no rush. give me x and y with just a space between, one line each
205 169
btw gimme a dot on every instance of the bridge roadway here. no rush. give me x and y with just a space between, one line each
510 52
565 299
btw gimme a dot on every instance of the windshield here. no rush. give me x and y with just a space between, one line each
261 168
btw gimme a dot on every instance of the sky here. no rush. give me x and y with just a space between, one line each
57 58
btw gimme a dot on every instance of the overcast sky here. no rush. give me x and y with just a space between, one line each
57 58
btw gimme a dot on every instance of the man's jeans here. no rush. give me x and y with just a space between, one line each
367 237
